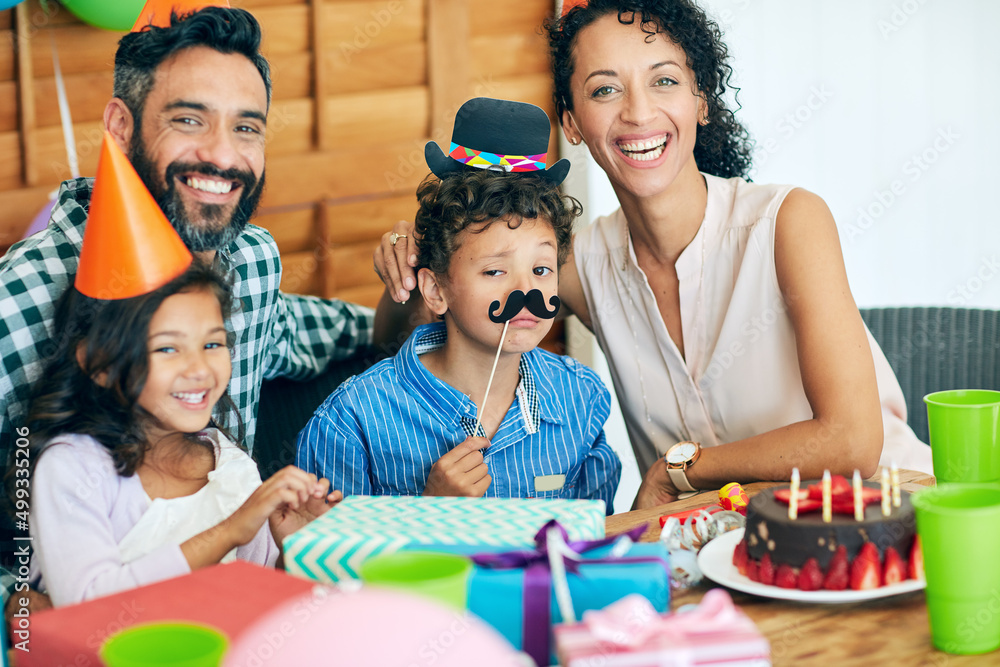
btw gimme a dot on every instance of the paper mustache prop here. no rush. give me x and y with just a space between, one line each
517 300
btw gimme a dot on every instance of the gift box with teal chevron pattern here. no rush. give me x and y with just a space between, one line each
332 547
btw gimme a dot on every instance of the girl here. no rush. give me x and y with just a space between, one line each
131 483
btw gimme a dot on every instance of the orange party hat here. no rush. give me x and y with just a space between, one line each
129 247
157 12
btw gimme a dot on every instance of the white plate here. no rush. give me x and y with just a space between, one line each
716 562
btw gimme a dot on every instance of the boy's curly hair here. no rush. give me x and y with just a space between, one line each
451 205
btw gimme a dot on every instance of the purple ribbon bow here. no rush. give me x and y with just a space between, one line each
536 618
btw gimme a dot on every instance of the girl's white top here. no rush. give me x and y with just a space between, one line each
96 533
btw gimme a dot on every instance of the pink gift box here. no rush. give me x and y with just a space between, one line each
630 633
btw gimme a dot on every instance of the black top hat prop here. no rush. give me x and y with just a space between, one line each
497 135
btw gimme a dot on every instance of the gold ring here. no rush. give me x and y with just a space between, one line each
395 237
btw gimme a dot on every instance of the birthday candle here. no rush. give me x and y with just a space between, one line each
886 494
897 500
827 497
793 497
859 505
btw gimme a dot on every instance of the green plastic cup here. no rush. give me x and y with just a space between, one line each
177 644
439 576
964 429
959 529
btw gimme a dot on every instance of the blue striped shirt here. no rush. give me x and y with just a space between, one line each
380 432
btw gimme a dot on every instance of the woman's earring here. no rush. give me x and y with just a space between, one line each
574 141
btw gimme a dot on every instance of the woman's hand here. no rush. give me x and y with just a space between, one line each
395 259
656 488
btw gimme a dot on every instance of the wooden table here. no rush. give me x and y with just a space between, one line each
885 632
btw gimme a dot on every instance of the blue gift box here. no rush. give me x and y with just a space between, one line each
497 595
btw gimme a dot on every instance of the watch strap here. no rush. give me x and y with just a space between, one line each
679 479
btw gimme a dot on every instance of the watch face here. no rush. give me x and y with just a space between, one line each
681 452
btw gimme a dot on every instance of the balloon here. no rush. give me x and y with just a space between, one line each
41 220
117 15
7 4
369 627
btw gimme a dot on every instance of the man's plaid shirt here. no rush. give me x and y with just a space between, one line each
277 335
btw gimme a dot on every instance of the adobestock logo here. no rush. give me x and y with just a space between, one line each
962 294
790 124
913 169
899 17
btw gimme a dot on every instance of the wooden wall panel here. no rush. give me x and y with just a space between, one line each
284 29
51 163
291 75
6 52
290 127
373 119
508 55
293 230
298 272
359 87
352 265
87 94
377 68
81 48
10 165
497 18
363 221
357 25
18 207
8 106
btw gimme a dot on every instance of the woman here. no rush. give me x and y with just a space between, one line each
723 306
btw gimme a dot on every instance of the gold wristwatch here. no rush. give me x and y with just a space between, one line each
678 459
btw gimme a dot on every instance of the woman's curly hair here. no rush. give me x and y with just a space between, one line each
450 205
723 146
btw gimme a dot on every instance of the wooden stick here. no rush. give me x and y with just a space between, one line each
479 415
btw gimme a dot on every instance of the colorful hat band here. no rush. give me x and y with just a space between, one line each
484 160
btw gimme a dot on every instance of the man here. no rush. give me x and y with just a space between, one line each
189 109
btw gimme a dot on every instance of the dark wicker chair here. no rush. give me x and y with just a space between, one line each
933 349
286 406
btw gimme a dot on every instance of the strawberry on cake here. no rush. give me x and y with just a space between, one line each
811 554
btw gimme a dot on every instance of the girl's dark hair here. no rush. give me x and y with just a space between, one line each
723 147
450 205
141 53
113 338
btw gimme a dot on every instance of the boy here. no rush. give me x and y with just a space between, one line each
409 424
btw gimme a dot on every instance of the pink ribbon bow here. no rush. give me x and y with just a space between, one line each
632 621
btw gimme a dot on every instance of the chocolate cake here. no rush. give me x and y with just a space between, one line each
809 554
769 530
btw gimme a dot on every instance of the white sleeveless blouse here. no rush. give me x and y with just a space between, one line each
741 374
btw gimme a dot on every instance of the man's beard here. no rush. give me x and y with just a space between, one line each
214 232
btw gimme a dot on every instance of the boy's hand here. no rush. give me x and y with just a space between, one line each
460 472
394 262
